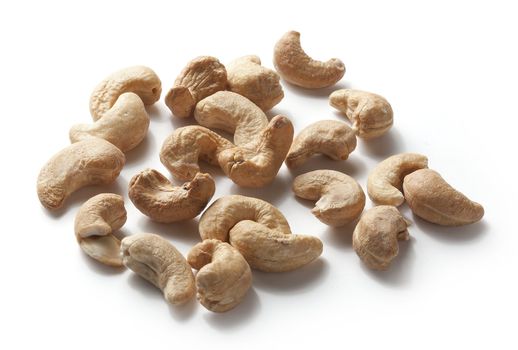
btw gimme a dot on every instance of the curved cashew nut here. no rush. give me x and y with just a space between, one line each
125 124
140 80
159 262
259 84
433 199
95 222
340 199
202 77
385 181
93 161
296 67
155 196
333 138
224 276
375 238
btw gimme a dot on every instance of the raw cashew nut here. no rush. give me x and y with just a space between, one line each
140 80
370 114
202 77
340 199
125 124
296 67
385 181
224 276
155 196
93 161
159 262
375 238
433 199
333 138
259 84
94 225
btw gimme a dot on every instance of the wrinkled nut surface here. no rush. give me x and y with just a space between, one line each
159 262
296 67
340 199
224 276
375 238
370 113
125 124
433 199
259 84
140 80
94 225
93 161
202 77
385 181
332 138
155 196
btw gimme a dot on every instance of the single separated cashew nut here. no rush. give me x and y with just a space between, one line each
94 225
224 276
159 262
155 196
340 199
259 84
370 113
375 238
433 199
385 181
296 67
332 138
202 77
93 161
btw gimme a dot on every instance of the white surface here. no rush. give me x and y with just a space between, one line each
449 71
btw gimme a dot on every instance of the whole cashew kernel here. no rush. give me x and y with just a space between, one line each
159 262
433 199
155 196
296 67
224 276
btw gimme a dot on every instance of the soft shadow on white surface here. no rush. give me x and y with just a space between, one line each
99 268
183 312
314 93
275 193
384 146
341 237
178 122
185 231
237 317
146 149
354 166
453 234
154 112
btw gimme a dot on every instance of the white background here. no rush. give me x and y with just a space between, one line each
449 69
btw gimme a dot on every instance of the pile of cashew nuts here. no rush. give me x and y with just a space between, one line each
239 234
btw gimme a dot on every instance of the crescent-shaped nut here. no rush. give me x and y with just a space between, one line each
94 225
155 196
332 138
385 181
296 67
340 199
433 199
224 276
93 161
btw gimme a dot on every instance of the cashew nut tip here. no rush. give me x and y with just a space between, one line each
224 276
296 67
155 196
159 262
433 199
93 161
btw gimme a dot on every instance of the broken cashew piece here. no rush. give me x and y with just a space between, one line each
296 67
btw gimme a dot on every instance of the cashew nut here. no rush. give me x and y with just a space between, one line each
224 276
156 197
259 84
202 77
93 161
375 238
94 225
340 199
296 67
370 114
333 138
386 179
159 262
433 199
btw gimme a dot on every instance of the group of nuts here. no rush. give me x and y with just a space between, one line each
239 233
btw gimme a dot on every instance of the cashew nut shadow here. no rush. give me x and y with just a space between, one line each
386 145
145 150
353 166
185 232
274 193
340 238
315 93
238 317
182 313
471 234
